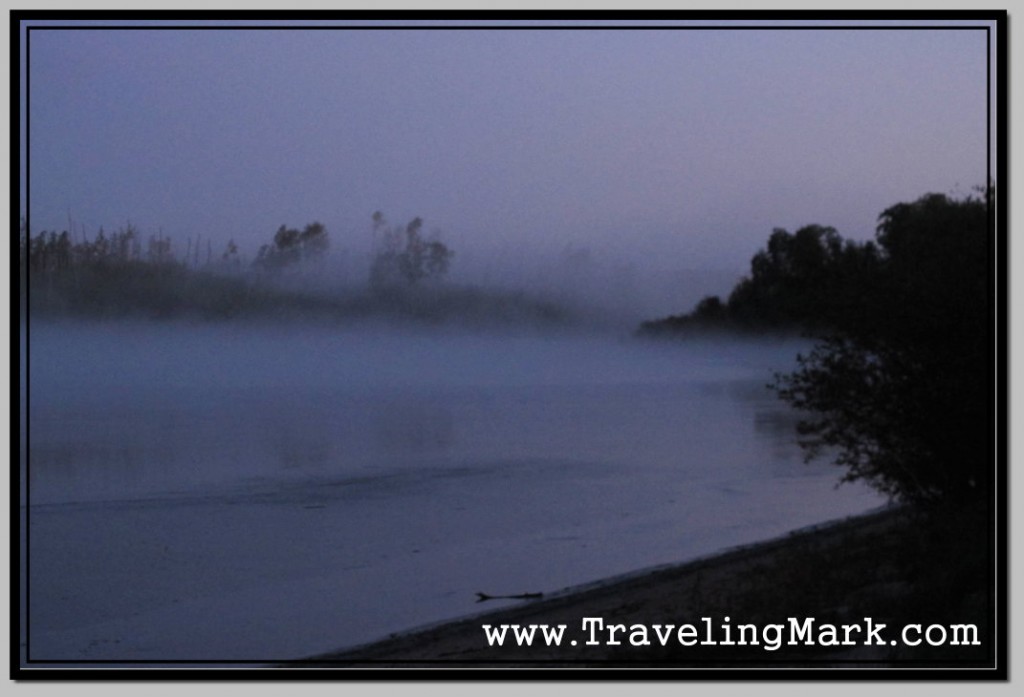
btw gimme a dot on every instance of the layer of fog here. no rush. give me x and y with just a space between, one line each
235 491
653 275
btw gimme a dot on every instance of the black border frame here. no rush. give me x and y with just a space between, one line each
20 20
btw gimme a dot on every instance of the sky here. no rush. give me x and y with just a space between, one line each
655 150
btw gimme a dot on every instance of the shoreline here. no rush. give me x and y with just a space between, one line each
847 569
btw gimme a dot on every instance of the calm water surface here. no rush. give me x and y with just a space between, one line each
320 488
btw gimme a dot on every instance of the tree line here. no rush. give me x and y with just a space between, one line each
401 255
807 280
899 386
124 273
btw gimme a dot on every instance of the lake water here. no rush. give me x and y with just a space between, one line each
233 492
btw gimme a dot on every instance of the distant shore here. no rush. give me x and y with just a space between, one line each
895 566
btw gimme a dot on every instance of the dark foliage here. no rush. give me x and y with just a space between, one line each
292 246
111 277
898 386
901 390
404 257
805 280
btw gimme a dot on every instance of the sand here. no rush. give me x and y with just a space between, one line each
893 566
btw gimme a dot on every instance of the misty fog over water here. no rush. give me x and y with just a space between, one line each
234 491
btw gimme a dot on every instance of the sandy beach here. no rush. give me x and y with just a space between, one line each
893 566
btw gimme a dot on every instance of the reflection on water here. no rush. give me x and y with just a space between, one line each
220 441
133 420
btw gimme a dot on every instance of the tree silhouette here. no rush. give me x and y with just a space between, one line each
810 279
403 257
900 390
291 246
